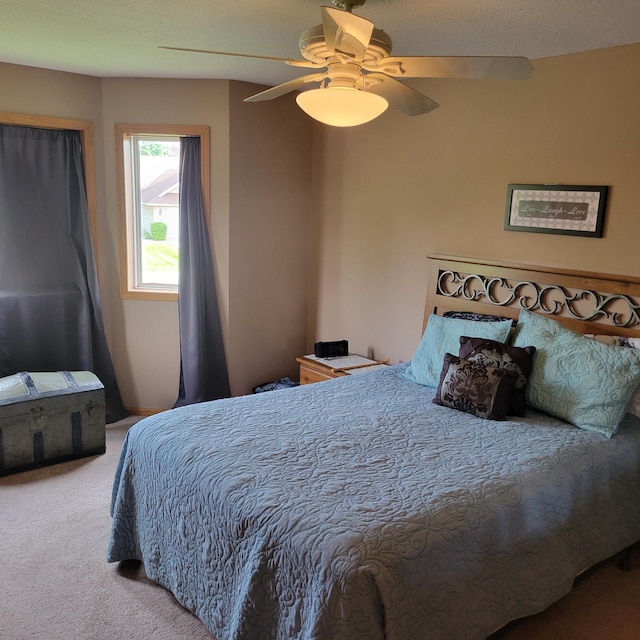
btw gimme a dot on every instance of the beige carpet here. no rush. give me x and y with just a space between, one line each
56 584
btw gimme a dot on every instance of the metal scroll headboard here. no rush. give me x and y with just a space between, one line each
584 301
585 304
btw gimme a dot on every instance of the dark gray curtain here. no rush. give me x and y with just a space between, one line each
50 311
203 367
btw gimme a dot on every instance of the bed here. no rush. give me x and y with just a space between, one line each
359 508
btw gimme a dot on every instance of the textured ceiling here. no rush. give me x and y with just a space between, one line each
121 37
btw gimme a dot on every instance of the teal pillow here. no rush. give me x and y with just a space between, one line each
580 380
441 336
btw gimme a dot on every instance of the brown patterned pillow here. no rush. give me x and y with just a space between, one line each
472 387
496 354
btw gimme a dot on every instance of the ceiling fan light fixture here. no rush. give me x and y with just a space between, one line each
341 106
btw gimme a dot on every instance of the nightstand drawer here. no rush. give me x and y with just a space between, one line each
307 376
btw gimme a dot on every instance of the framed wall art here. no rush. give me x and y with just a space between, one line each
571 210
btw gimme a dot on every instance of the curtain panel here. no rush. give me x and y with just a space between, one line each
50 309
203 367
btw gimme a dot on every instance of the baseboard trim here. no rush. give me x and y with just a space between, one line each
139 411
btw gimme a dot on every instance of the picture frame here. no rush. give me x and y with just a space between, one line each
571 210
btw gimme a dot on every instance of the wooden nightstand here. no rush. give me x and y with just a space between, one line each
313 369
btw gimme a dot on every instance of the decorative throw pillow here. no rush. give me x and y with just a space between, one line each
475 388
580 380
631 343
517 360
441 336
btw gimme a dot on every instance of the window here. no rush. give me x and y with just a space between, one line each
148 188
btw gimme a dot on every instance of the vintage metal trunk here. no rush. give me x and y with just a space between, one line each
50 417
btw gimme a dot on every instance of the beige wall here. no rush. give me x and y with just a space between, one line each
40 92
392 191
270 185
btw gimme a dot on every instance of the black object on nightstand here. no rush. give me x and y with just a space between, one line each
336 349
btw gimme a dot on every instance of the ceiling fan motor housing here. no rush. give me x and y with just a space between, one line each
313 46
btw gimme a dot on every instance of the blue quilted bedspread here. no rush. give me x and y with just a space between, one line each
358 509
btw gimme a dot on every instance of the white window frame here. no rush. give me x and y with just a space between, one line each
126 205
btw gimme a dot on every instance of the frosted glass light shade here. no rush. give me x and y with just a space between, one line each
341 106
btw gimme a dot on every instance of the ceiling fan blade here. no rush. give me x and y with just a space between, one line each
398 95
346 33
478 67
225 53
290 61
297 84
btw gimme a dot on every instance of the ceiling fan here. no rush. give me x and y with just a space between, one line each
355 78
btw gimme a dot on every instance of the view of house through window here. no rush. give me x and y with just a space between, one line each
156 186
148 173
